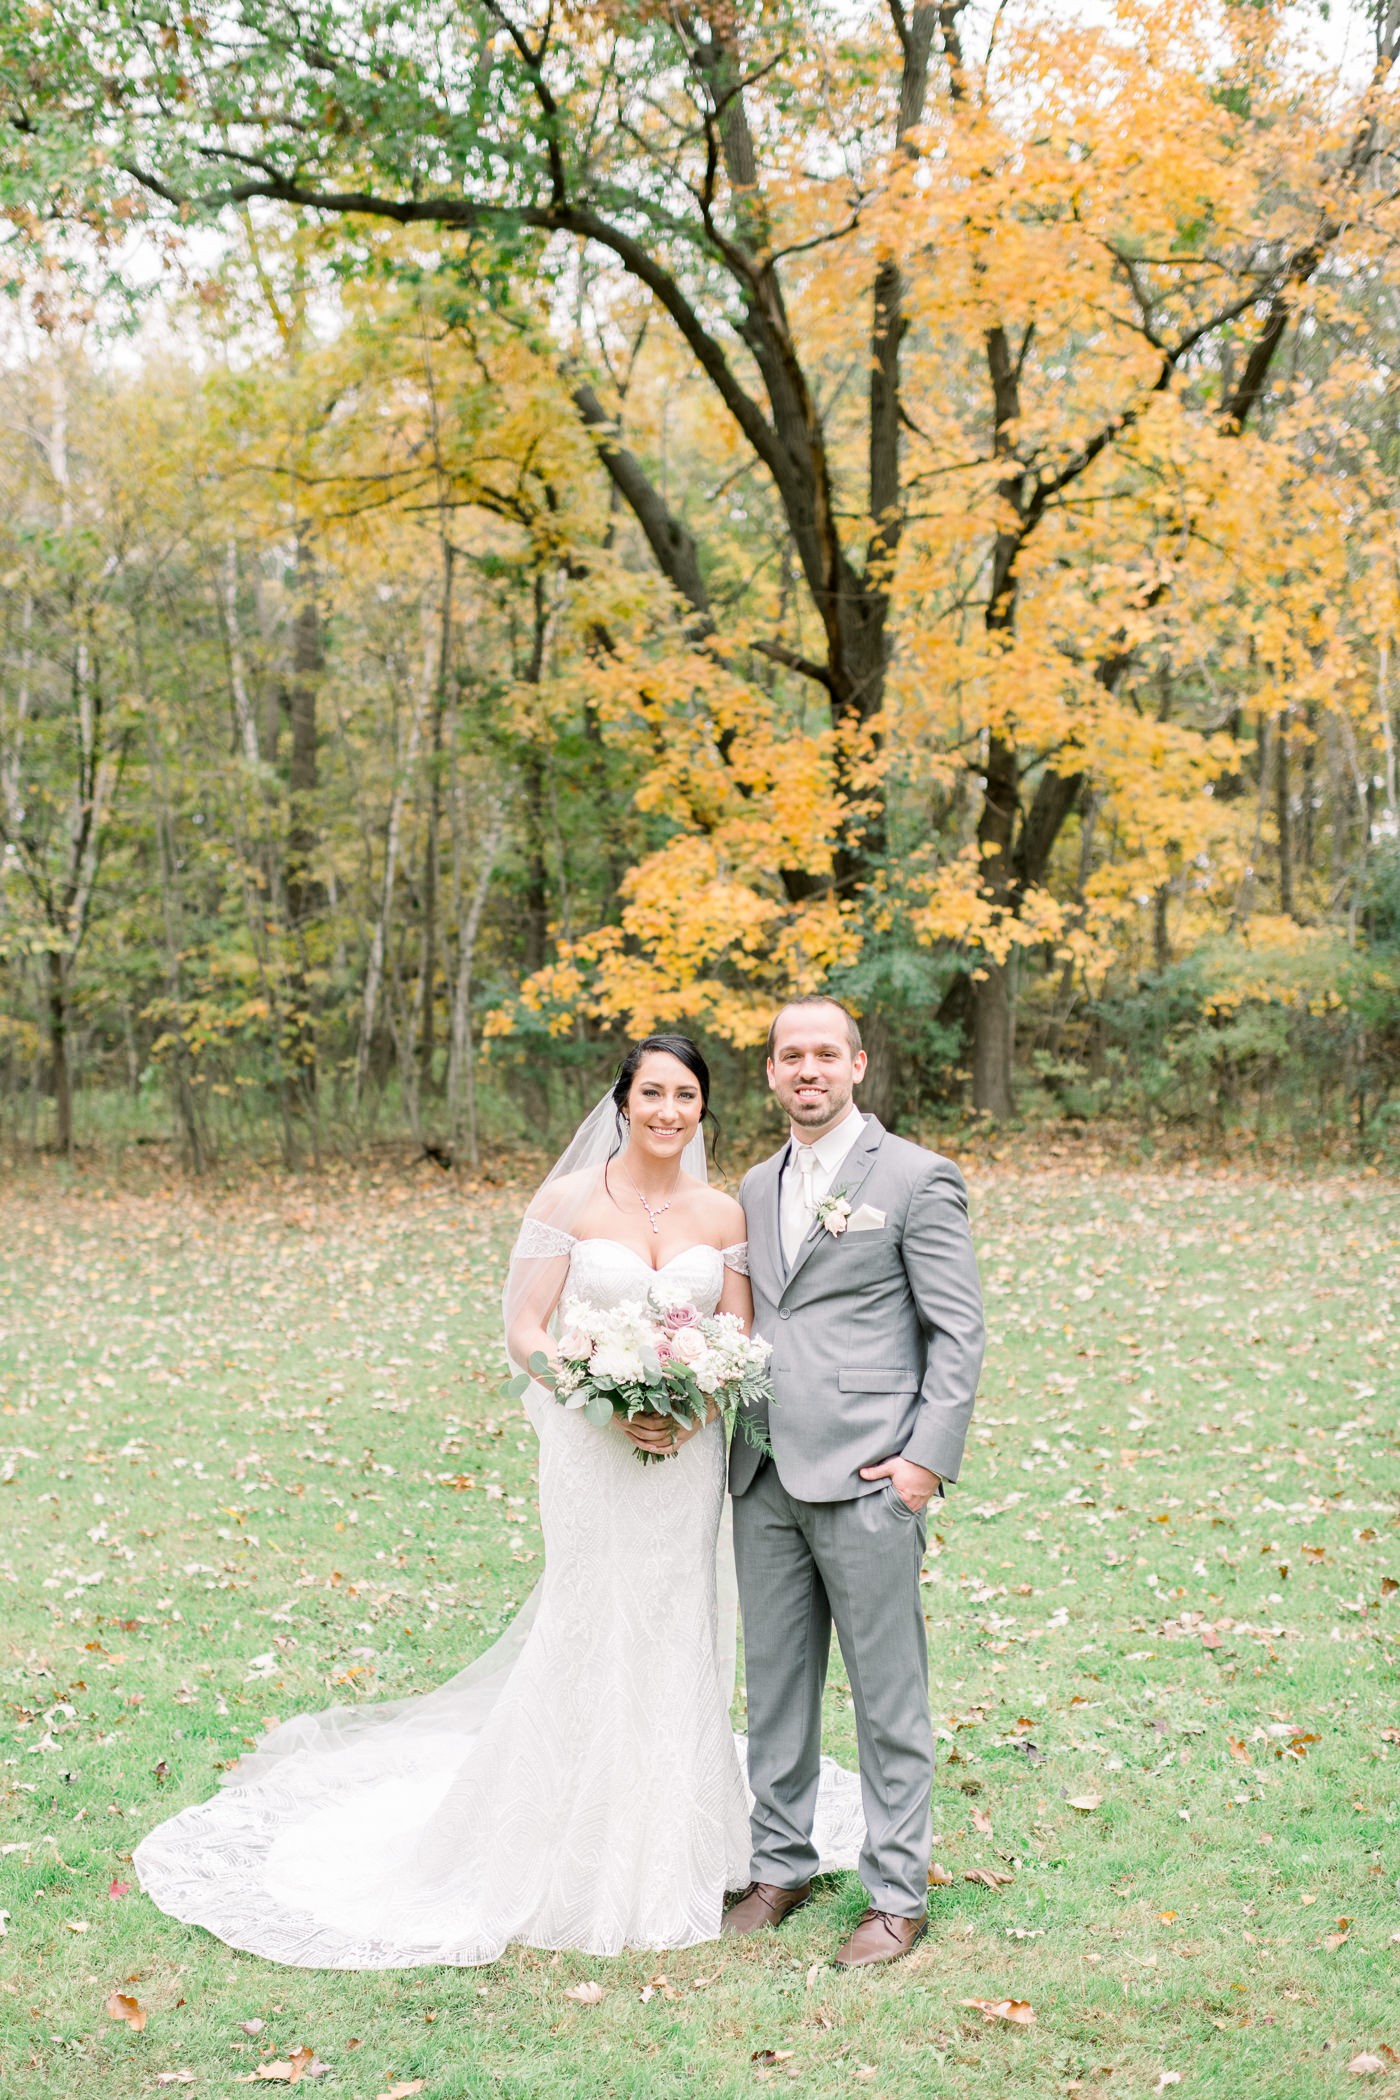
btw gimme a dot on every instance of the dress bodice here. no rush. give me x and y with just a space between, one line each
607 1273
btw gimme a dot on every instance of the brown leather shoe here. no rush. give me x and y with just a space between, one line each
762 1904
881 1937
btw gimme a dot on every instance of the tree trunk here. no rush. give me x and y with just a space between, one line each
991 1001
428 974
374 969
60 1078
301 889
1283 812
991 1040
461 1067
879 1093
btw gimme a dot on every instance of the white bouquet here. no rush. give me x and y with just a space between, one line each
655 1355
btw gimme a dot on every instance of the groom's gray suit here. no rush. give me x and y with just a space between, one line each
877 1344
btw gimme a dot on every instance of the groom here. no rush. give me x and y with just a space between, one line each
865 1282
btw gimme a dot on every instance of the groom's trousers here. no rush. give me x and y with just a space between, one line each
804 1566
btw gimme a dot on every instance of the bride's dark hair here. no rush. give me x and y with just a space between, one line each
677 1046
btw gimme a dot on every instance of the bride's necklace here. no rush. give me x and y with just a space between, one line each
655 1211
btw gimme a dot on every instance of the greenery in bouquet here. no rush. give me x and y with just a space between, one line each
658 1356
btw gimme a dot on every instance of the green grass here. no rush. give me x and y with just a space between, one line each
1191 1388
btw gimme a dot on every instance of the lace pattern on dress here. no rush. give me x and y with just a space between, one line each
736 1257
541 1242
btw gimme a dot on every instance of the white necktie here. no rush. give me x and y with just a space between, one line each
807 1167
807 1193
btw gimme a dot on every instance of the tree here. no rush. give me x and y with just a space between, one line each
804 200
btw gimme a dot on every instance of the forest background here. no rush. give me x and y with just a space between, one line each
522 527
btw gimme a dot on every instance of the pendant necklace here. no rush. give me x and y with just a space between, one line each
656 1212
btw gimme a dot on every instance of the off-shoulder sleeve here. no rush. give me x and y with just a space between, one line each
541 1242
736 1257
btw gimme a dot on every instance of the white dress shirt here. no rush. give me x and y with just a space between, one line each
809 1173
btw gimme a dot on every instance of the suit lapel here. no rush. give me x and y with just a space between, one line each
766 1210
849 1176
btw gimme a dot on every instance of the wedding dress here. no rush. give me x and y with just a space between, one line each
577 1786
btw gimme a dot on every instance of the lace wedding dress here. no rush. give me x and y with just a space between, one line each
578 1786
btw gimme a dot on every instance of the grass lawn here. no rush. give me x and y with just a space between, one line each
255 1462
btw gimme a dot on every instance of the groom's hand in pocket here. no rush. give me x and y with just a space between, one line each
914 1485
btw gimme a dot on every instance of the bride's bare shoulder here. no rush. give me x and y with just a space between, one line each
566 1197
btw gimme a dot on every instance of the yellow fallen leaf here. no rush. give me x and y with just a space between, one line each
120 2007
1014 2010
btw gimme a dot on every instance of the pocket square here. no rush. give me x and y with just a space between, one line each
866 1219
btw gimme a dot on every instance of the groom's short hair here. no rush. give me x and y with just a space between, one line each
817 999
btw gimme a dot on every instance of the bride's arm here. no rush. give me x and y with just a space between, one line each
535 1291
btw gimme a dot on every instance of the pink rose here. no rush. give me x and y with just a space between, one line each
664 1351
575 1346
688 1346
678 1316
836 1223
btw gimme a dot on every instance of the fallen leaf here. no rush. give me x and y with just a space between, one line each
586 1993
1390 1735
1339 1938
119 1888
1308 1899
990 1877
162 1773
1166 2078
1238 1750
174 2077
120 2007
1085 1803
939 1877
1365 2065
76 1924
814 1974
982 1821
402 2090
771 2056
251 2026
1168 1917
1210 1638
1014 2010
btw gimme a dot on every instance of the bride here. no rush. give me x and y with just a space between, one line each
578 1785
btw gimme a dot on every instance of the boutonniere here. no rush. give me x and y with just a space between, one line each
834 1211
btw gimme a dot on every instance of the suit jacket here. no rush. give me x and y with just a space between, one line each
877 1335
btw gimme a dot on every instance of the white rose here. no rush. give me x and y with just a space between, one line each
615 1360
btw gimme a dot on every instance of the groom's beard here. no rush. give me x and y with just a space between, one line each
817 1115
